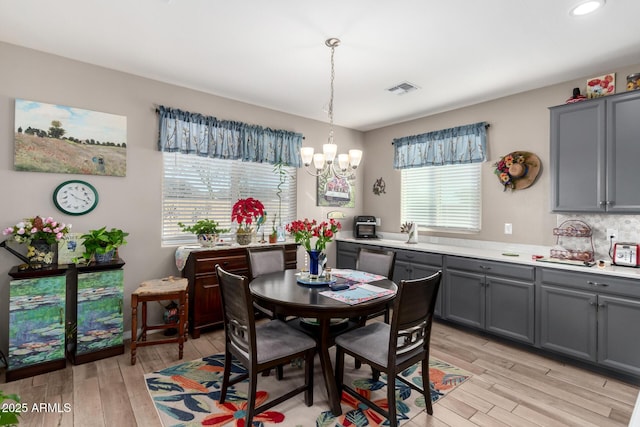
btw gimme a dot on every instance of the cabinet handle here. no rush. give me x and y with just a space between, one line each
602 203
593 304
609 202
597 284
601 305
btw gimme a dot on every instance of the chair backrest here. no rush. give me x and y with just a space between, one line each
412 318
265 260
376 261
237 308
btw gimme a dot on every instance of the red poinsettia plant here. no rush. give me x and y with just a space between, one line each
303 231
245 211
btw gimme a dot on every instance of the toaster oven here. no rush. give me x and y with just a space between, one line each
626 254
364 227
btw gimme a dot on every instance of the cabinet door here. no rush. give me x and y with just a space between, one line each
464 298
578 157
623 152
36 321
618 341
346 259
99 322
568 322
510 308
206 304
402 270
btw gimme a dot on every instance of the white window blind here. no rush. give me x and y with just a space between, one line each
197 187
446 198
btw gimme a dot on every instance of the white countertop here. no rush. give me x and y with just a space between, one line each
494 251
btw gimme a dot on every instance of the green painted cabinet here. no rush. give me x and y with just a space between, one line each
96 319
36 322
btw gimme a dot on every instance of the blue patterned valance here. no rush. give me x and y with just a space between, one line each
192 133
462 144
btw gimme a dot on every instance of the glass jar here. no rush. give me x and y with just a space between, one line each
633 81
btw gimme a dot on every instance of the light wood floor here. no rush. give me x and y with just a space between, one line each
509 387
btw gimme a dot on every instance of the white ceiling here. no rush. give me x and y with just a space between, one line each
272 53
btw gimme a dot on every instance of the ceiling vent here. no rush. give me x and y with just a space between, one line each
402 88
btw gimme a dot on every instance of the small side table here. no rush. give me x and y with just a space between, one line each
159 290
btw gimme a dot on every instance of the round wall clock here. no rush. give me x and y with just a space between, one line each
75 197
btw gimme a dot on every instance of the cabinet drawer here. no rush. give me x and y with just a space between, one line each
593 282
348 247
229 263
493 268
419 257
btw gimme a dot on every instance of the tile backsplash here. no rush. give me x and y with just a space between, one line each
628 227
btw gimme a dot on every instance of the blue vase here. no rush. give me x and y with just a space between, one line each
314 262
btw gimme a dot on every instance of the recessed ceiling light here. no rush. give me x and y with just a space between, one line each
586 7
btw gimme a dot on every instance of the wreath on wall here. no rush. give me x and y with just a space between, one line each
517 170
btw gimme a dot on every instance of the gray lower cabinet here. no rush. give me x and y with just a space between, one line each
346 253
591 318
414 265
594 152
492 296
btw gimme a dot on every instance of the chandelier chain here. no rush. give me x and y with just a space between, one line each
332 78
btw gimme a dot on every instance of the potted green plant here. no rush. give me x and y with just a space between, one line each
101 244
207 230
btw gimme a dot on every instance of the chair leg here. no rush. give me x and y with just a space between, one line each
308 371
251 398
225 376
362 321
391 398
279 373
375 374
426 385
339 370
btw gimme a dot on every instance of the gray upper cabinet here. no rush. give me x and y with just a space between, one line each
594 145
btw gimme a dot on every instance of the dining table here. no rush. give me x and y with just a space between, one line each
287 297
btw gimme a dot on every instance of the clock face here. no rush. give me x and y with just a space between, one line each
75 197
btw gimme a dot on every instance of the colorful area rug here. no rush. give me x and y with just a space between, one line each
187 395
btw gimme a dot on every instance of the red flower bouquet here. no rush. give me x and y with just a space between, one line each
245 211
304 230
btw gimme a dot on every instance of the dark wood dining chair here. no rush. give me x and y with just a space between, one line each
264 261
259 347
392 348
376 261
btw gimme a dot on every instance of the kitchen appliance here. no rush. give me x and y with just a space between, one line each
627 254
364 227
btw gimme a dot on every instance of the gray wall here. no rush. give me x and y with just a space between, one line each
518 122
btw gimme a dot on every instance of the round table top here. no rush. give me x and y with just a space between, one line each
281 289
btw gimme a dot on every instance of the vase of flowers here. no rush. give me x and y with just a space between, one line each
305 231
245 212
41 236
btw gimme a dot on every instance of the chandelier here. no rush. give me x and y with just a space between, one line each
324 163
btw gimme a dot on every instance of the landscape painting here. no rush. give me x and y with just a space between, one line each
61 139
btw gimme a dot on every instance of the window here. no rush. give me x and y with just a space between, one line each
196 187
446 198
